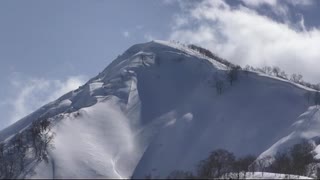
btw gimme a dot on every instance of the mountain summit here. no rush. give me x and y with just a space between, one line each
162 106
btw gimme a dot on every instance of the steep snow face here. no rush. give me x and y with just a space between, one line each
305 128
155 109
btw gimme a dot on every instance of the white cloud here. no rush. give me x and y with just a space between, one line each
179 21
149 37
244 36
279 7
259 2
126 34
277 2
168 1
30 94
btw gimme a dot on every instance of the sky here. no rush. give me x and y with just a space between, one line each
48 48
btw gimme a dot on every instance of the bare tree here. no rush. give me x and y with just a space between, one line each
41 138
316 87
244 164
281 164
217 164
318 173
35 135
283 75
276 70
46 137
302 156
246 70
317 98
263 163
296 78
14 152
219 86
177 174
232 74
20 148
267 70
10 164
2 160
308 96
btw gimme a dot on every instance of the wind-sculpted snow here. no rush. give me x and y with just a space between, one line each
155 109
305 128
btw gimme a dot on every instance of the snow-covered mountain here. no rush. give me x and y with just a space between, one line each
155 109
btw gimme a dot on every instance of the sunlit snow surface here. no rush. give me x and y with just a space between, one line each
153 110
267 175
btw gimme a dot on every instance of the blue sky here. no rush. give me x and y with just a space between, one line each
50 47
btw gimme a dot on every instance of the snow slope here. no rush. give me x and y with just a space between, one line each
152 111
306 127
267 175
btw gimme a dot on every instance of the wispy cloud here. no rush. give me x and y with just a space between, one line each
244 36
126 34
31 93
149 37
278 7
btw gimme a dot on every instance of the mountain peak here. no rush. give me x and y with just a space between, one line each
158 106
